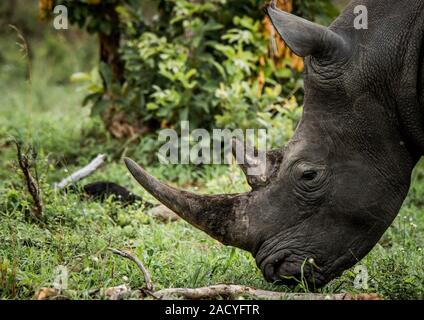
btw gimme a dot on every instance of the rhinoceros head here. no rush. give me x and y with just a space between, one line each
329 194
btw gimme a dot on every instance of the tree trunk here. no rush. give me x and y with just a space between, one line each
115 122
109 46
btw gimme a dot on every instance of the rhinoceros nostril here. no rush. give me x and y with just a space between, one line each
292 272
272 270
268 272
271 264
280 272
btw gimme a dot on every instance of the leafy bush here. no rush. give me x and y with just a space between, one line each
208 62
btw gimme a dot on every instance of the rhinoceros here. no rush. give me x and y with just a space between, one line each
330 193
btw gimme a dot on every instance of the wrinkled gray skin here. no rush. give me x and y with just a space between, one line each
336 187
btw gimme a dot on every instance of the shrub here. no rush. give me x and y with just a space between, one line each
209 62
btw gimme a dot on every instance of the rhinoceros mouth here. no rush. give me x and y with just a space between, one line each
288 268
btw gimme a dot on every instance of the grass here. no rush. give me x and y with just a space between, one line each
47 114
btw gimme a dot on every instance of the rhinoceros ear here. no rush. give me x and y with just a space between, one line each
305 38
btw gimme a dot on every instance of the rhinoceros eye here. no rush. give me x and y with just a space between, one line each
309 175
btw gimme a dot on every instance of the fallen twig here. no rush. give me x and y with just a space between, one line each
204 293
83 172
147 279
32 184
233 291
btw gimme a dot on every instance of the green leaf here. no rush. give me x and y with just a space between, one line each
80 77
99 107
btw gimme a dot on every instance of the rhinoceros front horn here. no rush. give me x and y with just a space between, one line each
306 38
221 216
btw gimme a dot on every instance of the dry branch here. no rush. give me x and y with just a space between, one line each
32 184
147 279
212 292
83 172
233 291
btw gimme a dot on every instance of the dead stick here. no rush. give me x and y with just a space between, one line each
147 279
82 173
212 292
231 291
32 184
